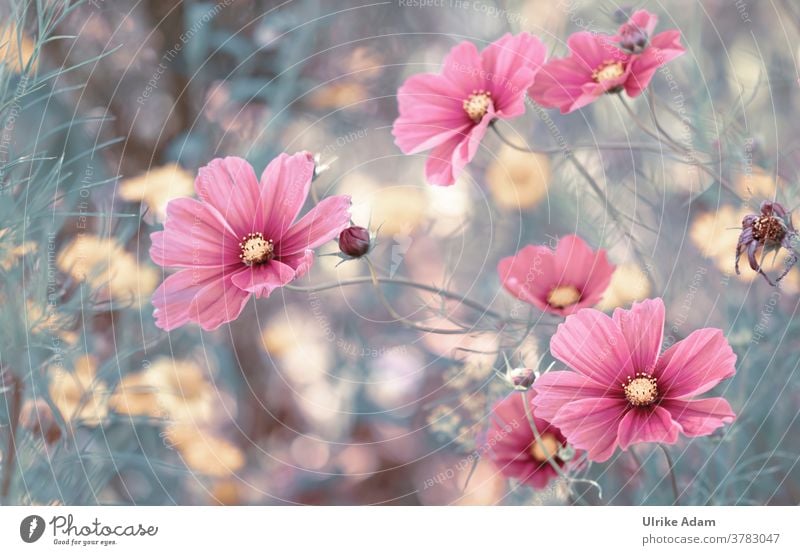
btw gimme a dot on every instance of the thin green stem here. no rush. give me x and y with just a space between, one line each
14 407
672 477
406 283
550 456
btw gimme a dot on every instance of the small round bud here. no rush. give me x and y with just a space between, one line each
521 378
354 241
633 38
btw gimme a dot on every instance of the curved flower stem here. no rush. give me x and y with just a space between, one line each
374 278
550 457
677 147
397 316
15 406
672 477
655 148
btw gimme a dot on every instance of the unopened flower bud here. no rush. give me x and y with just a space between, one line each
633 38
521 378
37 418
354 242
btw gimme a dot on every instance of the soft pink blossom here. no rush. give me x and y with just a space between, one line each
448 112
620 390
239 238
600 64
510 442
559 281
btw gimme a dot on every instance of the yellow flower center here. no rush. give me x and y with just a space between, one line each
608 71
563 296
255 249
477 104
546 447
641 390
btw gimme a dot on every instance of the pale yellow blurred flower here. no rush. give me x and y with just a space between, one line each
279 336
204 452
518 180
757 183
363 63
486 485
107 266
390 209
135 395
226 492
628 284
157 187
337 95
16 48
51 321
78 395
183 392
10 253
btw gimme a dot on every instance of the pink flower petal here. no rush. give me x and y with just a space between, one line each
462 67
594 49
284 188
556 389
591 425
663 48
529 275
695 364
590 343
651 424
576 264
321 224
195 236
643 328
447 161
509 440
230 185
205 296
559 84
700 417
263 279
300 261
511 64
431 113
439 165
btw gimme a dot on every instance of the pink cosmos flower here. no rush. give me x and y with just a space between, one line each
600 64
511 443
239 239
560 281
448 112
621 390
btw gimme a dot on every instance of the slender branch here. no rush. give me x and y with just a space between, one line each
672 143
626 146
672 477
15 406
404 282
397 316
550 456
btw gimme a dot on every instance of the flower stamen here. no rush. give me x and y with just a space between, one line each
477 104
255 249
641 390
563 296
546 447
608 71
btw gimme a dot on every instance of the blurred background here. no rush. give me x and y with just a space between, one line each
110 107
